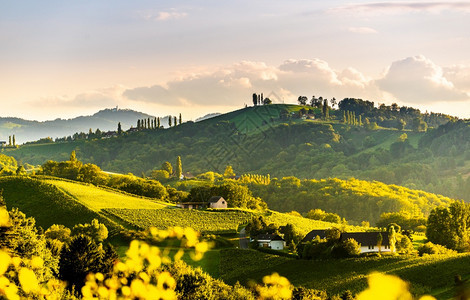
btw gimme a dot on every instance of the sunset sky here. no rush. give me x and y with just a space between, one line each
69 58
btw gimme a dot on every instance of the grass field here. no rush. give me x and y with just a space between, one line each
45 202
97 199
428 274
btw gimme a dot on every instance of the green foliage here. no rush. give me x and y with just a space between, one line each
405 220
318 214
82 256
450 227
179 167
96 231
350 248
195 284
229 173
355 200
167 167
160 175
58 232
21 238
235 194
405 245
430 248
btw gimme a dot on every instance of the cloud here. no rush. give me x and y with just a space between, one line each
93 99
459 75
393 7
362 30
419 80
233 85
162 15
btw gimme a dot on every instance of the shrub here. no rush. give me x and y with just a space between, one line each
430 248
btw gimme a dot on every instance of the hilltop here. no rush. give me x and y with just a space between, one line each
386 144
105 120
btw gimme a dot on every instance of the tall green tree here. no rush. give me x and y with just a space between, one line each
167 167
180 119
179 168
174 121
169 121
450 226
119 130
73 156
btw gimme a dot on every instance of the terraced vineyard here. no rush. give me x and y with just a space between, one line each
213 221
226 221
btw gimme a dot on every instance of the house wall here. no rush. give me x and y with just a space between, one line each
219 204
277 245
365 249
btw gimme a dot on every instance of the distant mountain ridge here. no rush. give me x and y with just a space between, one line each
105 120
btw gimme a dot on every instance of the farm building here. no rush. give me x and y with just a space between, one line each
272 241
213 202
368 240
217 202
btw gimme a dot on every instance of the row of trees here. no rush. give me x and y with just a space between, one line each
260 100
155 123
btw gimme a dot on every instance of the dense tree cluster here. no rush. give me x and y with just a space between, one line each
450 226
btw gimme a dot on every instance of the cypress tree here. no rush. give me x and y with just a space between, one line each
73 156
179 168
169 121
138 124
158 122
119 128
9 140
155 123
14 140
174 121
180 119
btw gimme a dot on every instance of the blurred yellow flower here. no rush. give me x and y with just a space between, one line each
37 262
29 282
4 262
4 217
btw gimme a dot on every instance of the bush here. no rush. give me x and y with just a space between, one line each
430 248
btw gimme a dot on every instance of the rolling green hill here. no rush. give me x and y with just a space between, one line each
355 200
430 274
274 140
54 201
45 202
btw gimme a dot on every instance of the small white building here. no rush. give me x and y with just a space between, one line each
217 202
272 241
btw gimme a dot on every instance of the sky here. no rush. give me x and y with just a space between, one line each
61 59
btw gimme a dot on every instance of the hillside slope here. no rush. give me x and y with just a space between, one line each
273 140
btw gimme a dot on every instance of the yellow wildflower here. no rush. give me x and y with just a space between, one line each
4 262
28 280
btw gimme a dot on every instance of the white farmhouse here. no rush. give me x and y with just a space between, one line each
272 241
